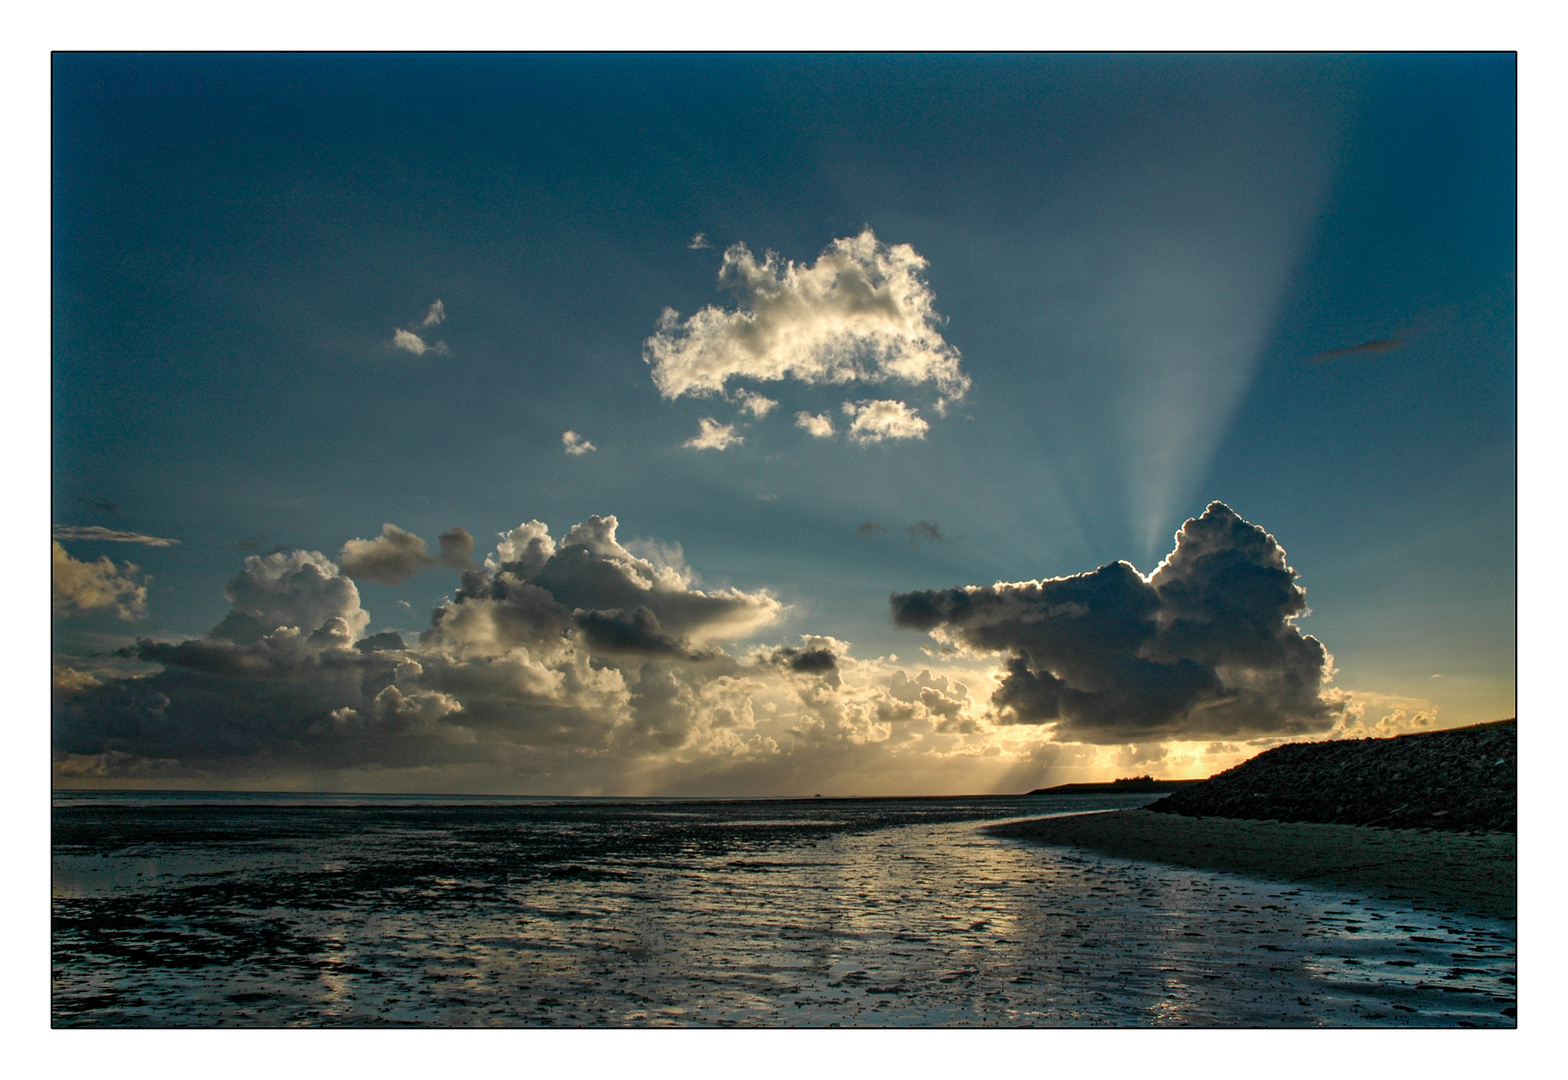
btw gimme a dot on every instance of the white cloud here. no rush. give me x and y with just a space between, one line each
436 315
699 242
575 444
406 339
861 312
755 404
713 436
100 534
819 425
878 420
78 587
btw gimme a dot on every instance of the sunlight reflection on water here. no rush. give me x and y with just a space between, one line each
810 916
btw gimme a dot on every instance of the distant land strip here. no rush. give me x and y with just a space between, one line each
1137 785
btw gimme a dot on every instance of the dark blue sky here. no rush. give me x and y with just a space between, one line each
1155 270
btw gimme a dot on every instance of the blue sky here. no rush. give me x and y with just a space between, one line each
1281 282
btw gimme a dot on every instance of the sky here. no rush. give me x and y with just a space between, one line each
774 425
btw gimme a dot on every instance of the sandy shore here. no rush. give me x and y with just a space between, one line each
1475 872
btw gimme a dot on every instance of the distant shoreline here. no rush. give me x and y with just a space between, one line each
1474 872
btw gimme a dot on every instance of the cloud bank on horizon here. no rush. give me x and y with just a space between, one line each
585 665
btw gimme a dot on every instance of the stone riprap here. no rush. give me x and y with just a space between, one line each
1460 779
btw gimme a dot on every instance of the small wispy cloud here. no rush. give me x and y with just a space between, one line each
1366 348
819 425
412 342
869 528
699 242
929 531
436 315
575 444
115 536
755 404
712 435
878 420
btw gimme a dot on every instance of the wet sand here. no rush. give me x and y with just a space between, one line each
1474 872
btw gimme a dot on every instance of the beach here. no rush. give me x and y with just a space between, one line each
1473 872
266 911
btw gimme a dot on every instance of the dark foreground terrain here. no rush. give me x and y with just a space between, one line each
1461 779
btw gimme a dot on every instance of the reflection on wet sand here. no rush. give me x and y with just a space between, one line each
790 920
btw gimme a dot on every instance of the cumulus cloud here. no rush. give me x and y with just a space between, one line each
878 420
1205 647
389 559
99 534
78 587
861 313
299 590
755 404
412 342
712 435
579 664
820 425
436 315
575 444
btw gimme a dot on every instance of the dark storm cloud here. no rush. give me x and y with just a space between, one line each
1204 647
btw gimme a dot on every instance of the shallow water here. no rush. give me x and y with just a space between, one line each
274 911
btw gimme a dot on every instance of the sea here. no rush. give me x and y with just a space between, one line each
268 911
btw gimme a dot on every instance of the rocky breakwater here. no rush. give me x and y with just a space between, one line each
1461 779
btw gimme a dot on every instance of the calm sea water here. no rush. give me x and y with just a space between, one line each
175 910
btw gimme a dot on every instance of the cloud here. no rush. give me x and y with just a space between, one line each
699 242
389 559
1205 647
457 548
926 530
878 420
575 444
755 404
100 534
99 504
407 339
571 665
79 587
579 664
713 435
436 315
860 313
1366 348
867 528
299 590
819 425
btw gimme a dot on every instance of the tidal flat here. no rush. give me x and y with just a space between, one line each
274 911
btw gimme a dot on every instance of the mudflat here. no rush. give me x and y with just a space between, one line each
1475 872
